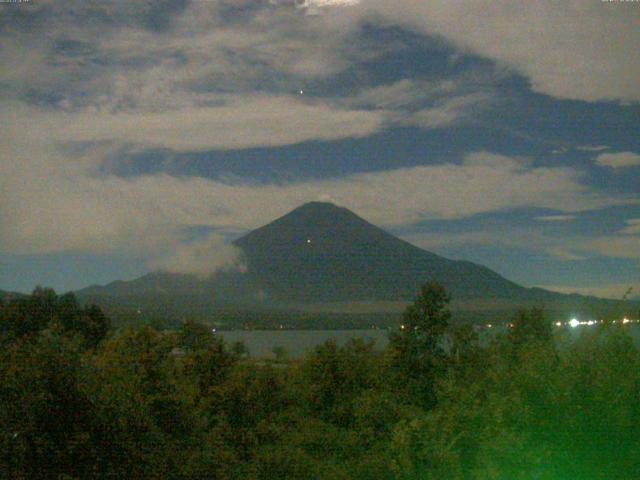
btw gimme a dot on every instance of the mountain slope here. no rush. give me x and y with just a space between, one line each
320 252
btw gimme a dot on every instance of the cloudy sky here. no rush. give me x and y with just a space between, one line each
148 134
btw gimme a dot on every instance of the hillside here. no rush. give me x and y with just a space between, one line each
320 254
323 253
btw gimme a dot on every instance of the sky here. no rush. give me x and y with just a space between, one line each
144 135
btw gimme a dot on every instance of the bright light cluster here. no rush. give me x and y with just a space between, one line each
574 323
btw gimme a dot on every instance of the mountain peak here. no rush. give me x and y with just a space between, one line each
319 208
321 252
312 221
317 205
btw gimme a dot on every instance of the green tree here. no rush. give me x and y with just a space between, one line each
280 353
333 377
26 316
44 417
531 326
138 413
43 309
239 349
417 351
464 345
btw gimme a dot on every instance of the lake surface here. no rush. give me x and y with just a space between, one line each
296 343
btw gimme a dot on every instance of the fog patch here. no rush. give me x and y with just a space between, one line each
202 257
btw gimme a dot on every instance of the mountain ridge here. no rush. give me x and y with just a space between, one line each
332 244
320 253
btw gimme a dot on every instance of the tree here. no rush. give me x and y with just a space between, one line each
464 345
44 417
89 322
26 316
94 325
531 326
280 353
417 351
239 349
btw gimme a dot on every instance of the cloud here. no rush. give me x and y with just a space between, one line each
448 112
573 49
87 79
330 3
430 105
110 54
578 50
633 227
617 246
618 160
54 199
202 257
314 7
561 248
240 122
556 218
623 244
592 148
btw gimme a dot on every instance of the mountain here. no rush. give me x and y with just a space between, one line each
6 296
322 254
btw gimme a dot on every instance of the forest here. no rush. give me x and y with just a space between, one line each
81 400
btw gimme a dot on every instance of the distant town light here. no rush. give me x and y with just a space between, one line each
625 320
574 323
558 324
308 240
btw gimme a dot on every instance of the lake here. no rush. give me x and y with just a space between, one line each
296 343
261 343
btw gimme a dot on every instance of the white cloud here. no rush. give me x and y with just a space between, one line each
633 227
556 218
561 248
592 148
53 200
329 3
314 7
617 246
430 105
164 89
115 61
448 112
574 49
241 122
571 49
624 244
201 257
618 160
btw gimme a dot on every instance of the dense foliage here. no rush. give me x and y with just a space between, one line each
79 401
